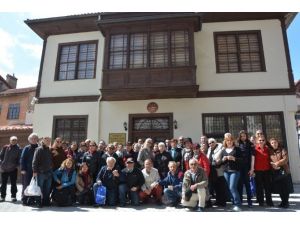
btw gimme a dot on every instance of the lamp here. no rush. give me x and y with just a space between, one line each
175 124
125 125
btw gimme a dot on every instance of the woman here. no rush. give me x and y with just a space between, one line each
145 153
231 158
247 159
26 162
262 169
84 183
198 154
64 193
161 160
93 159
281 172
58 153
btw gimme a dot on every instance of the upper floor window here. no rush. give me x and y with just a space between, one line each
77 61
239 51
13 111
153 49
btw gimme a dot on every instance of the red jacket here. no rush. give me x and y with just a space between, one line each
204 163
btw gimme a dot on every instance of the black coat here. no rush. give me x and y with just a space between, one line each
161 162
135 178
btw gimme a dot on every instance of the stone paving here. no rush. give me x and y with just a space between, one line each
9 206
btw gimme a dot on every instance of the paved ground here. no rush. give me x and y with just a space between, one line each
8 206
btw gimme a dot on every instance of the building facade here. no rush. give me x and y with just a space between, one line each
16 111
163 75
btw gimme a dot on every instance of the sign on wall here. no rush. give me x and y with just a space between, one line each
117 137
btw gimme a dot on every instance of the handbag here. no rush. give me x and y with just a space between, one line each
279 175
100 197
33 189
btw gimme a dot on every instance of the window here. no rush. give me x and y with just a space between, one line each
77 61
0 109
71 128
13 111
153 49
239 52
215 125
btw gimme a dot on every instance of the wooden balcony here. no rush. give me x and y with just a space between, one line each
137 84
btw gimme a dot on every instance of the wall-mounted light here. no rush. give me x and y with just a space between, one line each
125 126
175 124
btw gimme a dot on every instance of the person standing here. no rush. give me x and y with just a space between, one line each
162 160
26 162
42 169
10 160
145 153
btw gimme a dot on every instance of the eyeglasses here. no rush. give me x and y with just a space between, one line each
14 140
261 140
58 141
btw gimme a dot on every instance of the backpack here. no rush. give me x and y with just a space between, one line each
100 197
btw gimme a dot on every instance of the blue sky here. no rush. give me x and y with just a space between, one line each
20 47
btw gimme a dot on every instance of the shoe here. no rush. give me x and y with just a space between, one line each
2 199
159 203
122 205
270 204
96 205
199 209
261 204
13 199
236 209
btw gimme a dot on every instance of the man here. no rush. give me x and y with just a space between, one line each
162 160
42 169
10 160
180 142
130 153
172 184
151 186
131 181
58 153
168 144
193 189
175 152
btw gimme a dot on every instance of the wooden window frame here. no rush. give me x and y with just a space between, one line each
262 114
9 111
66 117
236 34
61 45
169 32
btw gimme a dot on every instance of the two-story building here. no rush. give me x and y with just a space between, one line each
16 111
163 75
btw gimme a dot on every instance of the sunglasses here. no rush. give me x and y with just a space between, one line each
211 142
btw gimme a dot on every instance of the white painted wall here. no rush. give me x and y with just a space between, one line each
51 88
188 113
273 46
44 113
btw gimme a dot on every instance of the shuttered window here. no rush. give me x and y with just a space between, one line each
153 49
77 61
239 52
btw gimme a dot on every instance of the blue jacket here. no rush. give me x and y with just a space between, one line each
27 157
65 179
174 180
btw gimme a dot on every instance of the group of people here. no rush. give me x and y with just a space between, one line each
176 172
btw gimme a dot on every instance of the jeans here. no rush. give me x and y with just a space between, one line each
123 190
44 181
111 195
232 179
26 178
245 180
172 195
13 181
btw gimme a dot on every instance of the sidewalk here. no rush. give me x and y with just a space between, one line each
8 206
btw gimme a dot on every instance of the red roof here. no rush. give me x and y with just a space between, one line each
16 128
17 91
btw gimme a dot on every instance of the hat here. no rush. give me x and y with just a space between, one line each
129 160
188 140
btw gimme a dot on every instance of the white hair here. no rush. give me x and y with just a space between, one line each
211 140
33 135
161 144
13 137
193 160
110 159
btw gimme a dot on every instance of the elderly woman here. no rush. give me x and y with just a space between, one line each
162 160
26 162
262 169
108 177
145 153
193 188
281 172
64 193
151 186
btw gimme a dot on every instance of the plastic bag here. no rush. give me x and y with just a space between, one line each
252 186
101 195
33 189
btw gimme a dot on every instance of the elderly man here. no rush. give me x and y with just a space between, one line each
151 186
193 189
109 178
131 181
10 160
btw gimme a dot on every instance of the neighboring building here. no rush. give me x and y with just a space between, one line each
15 111
165 75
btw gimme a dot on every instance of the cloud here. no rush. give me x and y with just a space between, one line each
28 79
33 49
6 44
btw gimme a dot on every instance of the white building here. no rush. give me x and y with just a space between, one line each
163 75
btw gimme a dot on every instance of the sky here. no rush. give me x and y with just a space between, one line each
20 47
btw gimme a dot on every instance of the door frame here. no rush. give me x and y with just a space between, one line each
149 115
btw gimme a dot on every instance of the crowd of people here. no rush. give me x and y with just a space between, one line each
177 172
